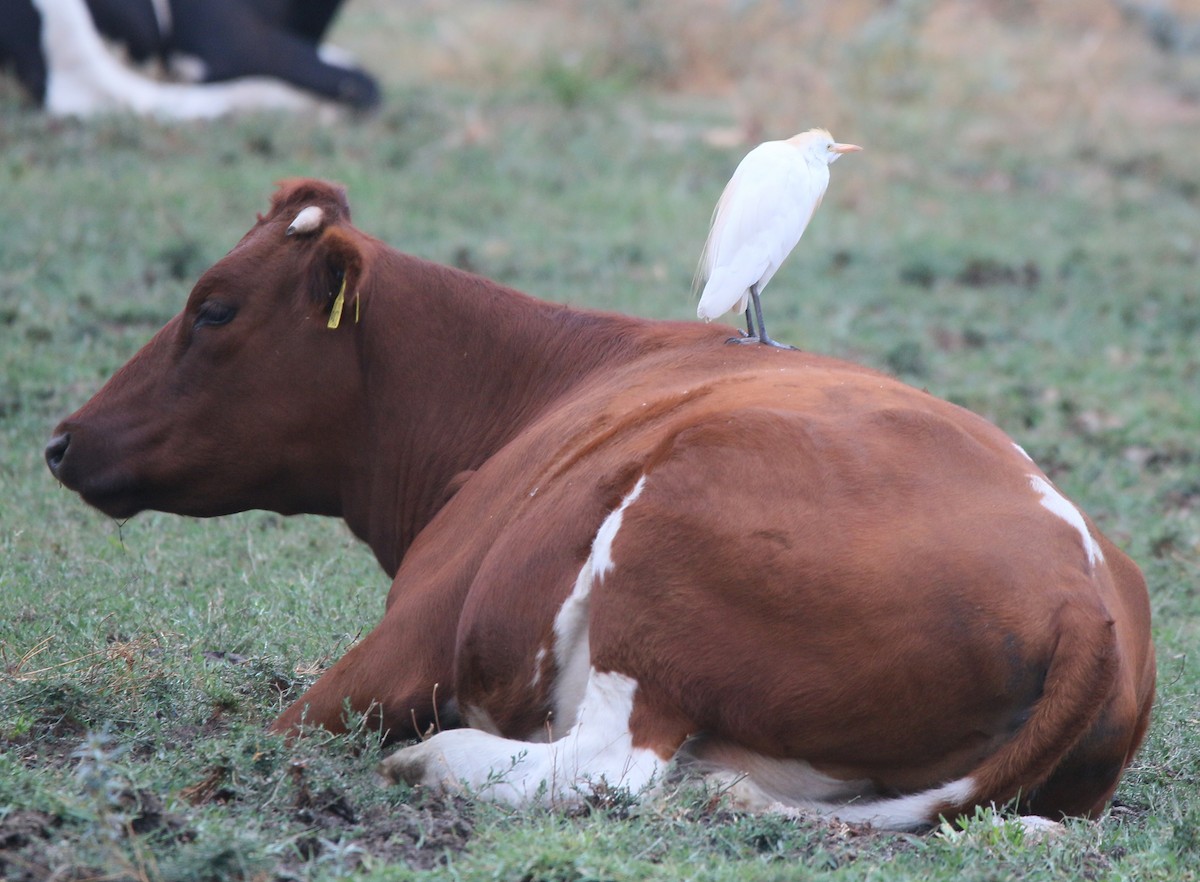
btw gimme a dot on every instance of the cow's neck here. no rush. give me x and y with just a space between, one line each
456 366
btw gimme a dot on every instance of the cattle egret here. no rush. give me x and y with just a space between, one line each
758 220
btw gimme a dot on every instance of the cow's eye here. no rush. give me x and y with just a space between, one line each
214 312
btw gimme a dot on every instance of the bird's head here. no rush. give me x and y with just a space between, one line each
818 145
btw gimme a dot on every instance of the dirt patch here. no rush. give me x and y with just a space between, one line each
982 272
145 816
420 835
813 841
24 839
335 831
19 828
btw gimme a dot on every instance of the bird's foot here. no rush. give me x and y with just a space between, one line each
770 342
747 338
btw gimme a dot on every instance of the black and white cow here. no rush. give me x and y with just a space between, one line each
236 53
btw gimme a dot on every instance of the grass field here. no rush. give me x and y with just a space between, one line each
1021 236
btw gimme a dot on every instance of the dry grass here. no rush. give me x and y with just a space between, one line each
1023 72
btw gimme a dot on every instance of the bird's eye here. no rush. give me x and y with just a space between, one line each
214 313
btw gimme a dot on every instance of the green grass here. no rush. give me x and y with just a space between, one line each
142 661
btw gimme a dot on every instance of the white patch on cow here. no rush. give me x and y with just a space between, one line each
187 68
908 812
307 221
337 56
572 652
1056 503
84 78
1021 450
162 15
538 661
478 718
597 751
592 744
602 545
758 783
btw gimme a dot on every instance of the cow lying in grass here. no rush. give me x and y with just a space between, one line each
618 542
242 54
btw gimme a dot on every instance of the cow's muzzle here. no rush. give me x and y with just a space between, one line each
102 484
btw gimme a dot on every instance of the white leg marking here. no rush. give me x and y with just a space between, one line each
572 653
597 750
591 711
478 718
1055 502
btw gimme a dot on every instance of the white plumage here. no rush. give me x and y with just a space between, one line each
760 217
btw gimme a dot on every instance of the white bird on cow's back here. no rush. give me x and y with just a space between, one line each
758 220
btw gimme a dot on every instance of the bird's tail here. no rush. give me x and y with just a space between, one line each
722 293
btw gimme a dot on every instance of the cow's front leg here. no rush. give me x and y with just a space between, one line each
597 751
401 681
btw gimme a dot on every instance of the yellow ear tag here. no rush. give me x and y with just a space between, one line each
357 300
335 314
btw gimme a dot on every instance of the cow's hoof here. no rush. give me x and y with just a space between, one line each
1038 829
418 766
1033 828
400 767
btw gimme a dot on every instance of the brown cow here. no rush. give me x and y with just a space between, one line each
618 542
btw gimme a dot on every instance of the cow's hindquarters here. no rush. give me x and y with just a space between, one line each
883 658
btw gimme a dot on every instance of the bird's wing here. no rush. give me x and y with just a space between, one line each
807 204
704 269
721 289
757 222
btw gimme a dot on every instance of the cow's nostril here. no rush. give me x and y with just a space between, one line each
56 450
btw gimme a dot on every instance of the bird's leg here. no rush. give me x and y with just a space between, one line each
748 335
762 328
761 336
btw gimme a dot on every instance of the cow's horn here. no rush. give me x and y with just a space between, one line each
308 220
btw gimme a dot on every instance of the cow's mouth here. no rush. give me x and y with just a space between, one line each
108 490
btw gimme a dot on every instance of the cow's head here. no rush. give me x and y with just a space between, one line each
244 398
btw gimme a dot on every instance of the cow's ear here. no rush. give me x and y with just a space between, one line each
336 275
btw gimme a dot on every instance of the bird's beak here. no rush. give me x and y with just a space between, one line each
846 148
